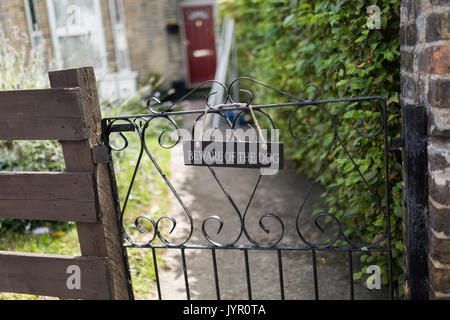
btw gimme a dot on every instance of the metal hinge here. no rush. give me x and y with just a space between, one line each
100 154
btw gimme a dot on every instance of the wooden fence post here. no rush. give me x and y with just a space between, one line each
100 239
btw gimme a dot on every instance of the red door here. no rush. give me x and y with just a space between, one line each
200 43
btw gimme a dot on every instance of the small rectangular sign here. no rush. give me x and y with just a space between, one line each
233 154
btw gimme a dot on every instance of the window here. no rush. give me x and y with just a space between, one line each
119 34
77 33
33 22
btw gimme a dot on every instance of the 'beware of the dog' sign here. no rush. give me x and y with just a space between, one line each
233 154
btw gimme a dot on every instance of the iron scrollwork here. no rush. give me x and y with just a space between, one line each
140 124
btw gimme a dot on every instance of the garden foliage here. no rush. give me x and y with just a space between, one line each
289 44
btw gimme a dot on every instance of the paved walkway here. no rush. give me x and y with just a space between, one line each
281 194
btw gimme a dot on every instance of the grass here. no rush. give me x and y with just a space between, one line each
149 196
59 242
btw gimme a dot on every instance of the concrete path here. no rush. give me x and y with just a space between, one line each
281 194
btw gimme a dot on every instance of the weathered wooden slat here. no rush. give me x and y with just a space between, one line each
54 196
42 114
52 275
102 238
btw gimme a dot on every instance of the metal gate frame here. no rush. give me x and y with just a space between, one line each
139 123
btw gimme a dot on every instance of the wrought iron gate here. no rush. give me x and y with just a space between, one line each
333 111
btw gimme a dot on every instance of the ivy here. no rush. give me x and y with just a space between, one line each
290 43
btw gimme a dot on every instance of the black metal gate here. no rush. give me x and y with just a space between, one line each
340 240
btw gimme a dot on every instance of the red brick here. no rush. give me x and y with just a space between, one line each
435 60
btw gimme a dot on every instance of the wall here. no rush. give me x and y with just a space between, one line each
425 78
176 67
109 38
12 13
152 49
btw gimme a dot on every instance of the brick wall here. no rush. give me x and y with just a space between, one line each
425 80
109 38
44 26
12 14
152 49
176 68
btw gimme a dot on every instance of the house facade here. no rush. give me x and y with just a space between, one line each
127 41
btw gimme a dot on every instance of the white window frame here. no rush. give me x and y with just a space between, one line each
35 35
116 28
60 32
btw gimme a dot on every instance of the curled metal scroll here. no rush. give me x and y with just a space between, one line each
141 123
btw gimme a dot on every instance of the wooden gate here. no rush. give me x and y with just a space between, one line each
70 113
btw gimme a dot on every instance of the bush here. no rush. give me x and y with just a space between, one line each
289 44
